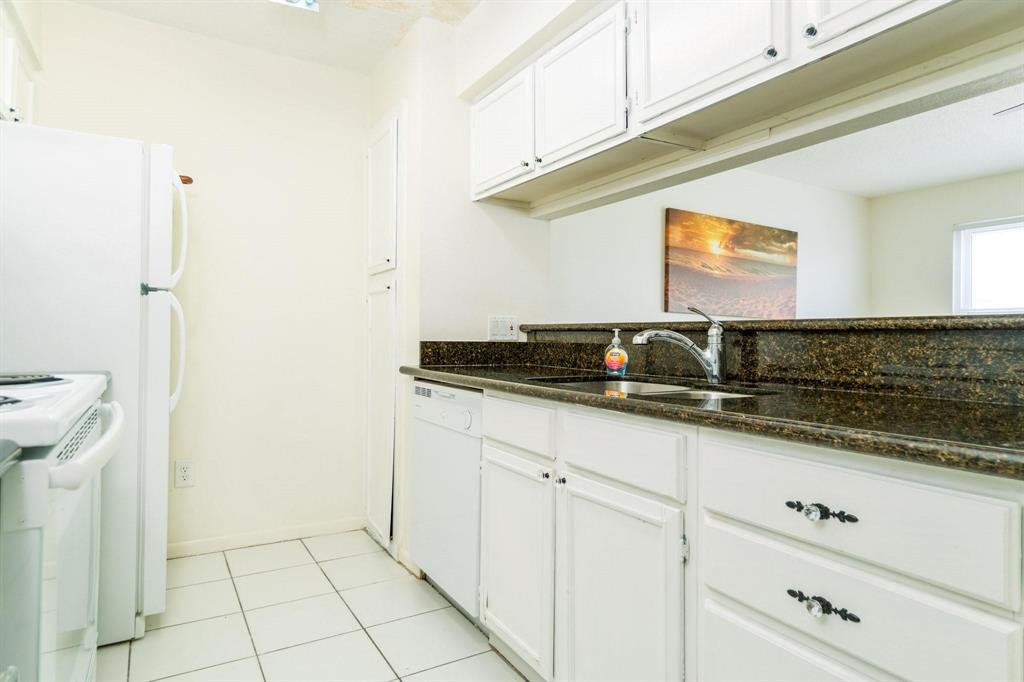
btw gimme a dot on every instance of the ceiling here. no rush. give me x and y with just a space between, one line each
351 34
953 143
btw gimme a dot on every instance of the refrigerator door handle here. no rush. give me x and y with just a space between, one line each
179 190
179 316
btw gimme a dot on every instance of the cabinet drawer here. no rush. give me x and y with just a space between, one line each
901 630
648 458
529 427
767 655
967 543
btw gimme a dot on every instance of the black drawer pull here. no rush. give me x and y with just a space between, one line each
816 511
819 606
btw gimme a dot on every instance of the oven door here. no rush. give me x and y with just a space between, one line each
49 553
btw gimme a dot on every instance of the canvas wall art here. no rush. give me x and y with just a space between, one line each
729 267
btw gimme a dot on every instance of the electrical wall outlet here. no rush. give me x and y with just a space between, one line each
184 473
502 328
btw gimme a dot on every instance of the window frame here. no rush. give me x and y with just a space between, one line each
962 263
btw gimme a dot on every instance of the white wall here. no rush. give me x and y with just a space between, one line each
607 264
474 259
911 262
273 292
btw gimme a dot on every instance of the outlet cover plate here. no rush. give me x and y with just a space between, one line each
184 473
502 328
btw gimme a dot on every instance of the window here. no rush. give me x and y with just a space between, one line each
988 267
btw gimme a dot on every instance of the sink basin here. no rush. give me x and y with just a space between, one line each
621 388
711 395
626 387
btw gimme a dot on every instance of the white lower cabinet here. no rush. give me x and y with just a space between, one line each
619 604
580 578
808 563
517 555
738 648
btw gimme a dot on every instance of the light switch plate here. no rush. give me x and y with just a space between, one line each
502 328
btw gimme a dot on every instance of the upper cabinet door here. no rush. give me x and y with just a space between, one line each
581 89
382 196
681 51
619 612
517 555
502 133
832 18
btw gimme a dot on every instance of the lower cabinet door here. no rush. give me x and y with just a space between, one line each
517 555
736 649
619 605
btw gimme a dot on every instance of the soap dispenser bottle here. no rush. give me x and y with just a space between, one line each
616 359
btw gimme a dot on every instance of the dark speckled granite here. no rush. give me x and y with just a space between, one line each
956 358
973 436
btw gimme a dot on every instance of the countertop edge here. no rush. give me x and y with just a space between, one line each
922 323
951 455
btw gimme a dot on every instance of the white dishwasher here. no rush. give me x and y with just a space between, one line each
444 495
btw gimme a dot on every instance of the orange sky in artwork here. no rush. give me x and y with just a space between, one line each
726 237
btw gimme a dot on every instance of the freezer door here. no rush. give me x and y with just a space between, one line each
70 268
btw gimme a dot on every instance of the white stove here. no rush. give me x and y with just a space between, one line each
55 438
38 409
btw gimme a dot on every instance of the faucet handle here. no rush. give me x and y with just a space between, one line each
713 321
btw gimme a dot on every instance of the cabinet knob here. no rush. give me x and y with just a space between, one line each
770 52
560 480
819 606
810 30
538 159
816 511
524 164
545 475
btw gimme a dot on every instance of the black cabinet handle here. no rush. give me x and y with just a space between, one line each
816 511
819 606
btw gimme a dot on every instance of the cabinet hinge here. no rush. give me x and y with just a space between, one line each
627 108
684 549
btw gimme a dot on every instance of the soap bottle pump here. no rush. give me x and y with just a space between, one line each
616 359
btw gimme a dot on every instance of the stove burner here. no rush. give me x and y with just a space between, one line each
5 401
21 379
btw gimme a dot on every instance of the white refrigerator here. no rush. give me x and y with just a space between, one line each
86 271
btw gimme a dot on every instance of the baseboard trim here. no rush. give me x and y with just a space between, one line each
262 537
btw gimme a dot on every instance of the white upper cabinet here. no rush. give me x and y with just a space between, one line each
619 612
17 88
682 51
382 195
502 133
827 19
581 89
517 555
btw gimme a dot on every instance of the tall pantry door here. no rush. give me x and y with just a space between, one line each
381 385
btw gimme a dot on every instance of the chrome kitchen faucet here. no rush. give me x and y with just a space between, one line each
710 359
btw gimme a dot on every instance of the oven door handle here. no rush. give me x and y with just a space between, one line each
71 475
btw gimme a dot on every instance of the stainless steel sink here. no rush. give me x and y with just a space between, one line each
712 395
627 387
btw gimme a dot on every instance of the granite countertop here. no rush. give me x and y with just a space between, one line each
986 438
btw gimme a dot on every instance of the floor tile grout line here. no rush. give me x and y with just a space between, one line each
312 641
248 630
464 658
205 667
128 669
313 560
360 624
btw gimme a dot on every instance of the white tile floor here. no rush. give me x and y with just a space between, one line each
333 608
